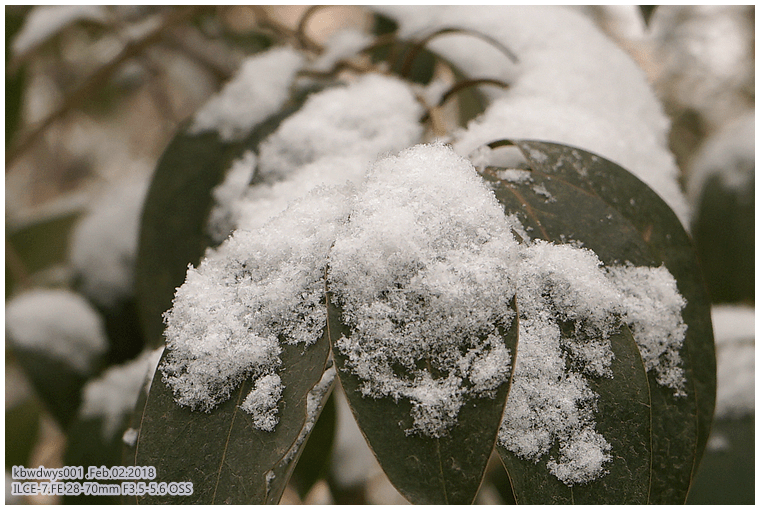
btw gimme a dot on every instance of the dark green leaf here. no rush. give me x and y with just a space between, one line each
425 470
623 419
122 329
86 445
56 383
14 81
664 235
225 458
727 473
40 244
724 233
21 424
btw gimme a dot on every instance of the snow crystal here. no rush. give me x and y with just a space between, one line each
735 345
45 21
422 274
515 175
104 242
652 307
259 89
112 396
572 85
59 323
540 189
581 459
262 401
257 289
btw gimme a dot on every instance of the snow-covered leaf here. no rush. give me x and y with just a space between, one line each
226 458
173 231
426 470
572 196
624 419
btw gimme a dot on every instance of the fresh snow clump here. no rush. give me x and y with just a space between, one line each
262 401
422 273
259 89
652 307
224 216
334 138
59 323
104 242
374 115
113 395
255 288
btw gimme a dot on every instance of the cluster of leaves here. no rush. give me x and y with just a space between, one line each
658 440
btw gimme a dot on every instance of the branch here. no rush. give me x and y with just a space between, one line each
95 81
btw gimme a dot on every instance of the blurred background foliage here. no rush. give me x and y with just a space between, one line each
94 94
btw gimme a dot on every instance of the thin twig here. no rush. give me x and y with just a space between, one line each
459 86
406 67
95 81
305 18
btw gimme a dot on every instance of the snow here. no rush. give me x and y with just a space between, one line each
224 215
734 327
374 115
705 58
59 323
262 401
422 275
335 136
103 246
130 437
255 288
571 85
44 22
259 89
112 396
